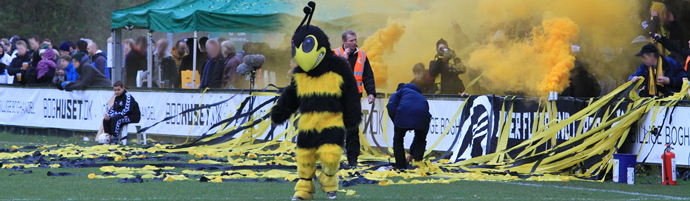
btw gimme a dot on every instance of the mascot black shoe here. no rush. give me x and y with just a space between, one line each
323 89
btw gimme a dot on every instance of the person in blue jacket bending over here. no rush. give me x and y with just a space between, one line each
409 110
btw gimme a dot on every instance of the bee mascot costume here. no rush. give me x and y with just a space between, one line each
323 89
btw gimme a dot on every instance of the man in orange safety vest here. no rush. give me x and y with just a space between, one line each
359 62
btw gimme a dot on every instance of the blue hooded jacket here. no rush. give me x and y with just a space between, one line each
675 73
71 74
409 109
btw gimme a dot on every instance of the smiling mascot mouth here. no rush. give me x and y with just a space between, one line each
318 61
308 54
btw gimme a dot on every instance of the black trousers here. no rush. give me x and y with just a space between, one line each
416 149
114 125
352 146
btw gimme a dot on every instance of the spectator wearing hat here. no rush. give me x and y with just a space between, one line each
46 67
65 49
664 23
663 75
88 75
13 45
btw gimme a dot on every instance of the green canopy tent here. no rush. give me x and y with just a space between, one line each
257 16
130 18
137 17
265 16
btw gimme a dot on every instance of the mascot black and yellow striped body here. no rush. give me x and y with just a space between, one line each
324 91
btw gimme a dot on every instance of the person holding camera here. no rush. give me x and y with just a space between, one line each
446 67
674 47
662 21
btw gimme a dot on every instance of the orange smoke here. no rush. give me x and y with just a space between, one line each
377 45
555 43
537 65
519 46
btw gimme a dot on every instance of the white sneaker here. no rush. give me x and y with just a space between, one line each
296 198
384 168
332 195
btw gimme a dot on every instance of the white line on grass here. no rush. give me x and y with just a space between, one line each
599 190
16 143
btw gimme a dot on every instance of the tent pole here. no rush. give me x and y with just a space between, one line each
170 42
194 61
110 49
149 59
116 73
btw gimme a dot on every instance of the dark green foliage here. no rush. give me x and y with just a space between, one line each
60 20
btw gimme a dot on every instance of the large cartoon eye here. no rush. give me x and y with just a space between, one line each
308 44
294 50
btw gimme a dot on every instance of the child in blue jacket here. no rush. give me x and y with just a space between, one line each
409 110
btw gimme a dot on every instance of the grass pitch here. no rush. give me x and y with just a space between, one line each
15 185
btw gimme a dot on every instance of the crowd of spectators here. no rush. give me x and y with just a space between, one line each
663 62
82 64
34 61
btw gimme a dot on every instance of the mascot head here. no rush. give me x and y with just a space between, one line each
309 44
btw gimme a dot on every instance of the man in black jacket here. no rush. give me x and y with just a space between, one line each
35 48
125 110
89 76
136 61
98 58
674 47
213 70
364 76
448 66
16 66
187 62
